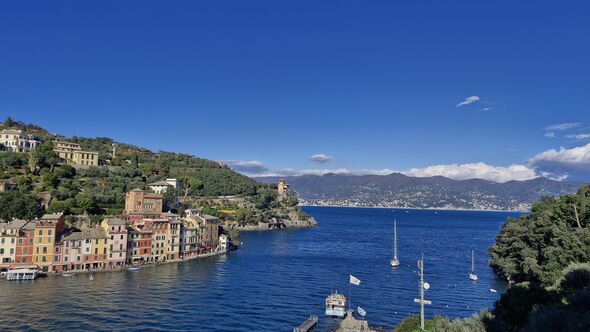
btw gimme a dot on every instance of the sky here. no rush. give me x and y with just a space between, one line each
497 90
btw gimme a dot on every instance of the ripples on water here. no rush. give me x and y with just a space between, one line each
277 279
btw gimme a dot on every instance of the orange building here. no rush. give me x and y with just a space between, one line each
138 201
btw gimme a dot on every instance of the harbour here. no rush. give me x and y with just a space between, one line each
289 273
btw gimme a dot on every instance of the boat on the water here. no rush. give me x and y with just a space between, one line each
336 305
21 274
394 262
493 290
68 274
133 269
361 311
472 275
91 278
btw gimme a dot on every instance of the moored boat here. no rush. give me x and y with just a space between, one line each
336 305
361 311
21 274
68 274
394 262
133 269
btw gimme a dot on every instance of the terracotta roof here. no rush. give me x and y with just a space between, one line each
116 221
52 216
87 233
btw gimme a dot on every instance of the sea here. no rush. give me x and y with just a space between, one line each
278 279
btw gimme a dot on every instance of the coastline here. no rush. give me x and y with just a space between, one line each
124 268
413 208
267 227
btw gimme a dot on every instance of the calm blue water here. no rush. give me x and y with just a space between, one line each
277 279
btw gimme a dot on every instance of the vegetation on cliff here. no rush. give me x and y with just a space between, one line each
99 191
545 257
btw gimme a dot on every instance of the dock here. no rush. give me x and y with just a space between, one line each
308 324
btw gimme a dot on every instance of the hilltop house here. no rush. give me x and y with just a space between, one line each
72 153
14 140
160 187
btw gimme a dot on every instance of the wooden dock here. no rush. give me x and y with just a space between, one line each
308 324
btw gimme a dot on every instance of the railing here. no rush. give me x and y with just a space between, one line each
308 324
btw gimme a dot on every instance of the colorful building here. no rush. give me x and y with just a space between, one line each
72 153
47 230
138 201
189 238
117 241
14 140
25 245
173 242
84 250
160 239
9 235
139 244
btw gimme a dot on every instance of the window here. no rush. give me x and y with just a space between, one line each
40 232
1 251
95 251
12 251
48 232
87 249
44 250
44 258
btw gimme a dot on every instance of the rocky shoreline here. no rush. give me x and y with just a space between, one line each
270 226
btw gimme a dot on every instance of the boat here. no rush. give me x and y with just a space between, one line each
336 305
91 278
493 290
361 311
21 274
133 269
68 274
472 275
394 262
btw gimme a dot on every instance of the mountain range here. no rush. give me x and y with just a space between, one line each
398 190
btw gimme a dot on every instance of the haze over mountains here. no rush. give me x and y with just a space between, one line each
398 190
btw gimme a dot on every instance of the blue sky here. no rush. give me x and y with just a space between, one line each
371 87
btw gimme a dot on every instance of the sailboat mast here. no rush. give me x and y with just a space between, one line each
394 238
472 262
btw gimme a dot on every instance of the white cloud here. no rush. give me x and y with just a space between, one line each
550 134
476 171
579 136
574 162
468 100
563 126
321 158
246 167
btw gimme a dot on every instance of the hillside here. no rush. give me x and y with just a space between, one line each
40 177
398 190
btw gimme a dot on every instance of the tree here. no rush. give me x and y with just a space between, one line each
9 122
20 205
188 185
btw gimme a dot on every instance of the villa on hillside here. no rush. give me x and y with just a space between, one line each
14 140
72 153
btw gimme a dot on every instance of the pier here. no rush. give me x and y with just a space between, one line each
308 324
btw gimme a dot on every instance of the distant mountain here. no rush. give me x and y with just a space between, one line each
398 190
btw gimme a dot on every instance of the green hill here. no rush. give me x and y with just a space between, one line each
101 190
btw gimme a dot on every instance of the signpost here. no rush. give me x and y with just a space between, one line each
423 286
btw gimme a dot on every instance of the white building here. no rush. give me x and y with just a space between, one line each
160 187
224 243
14 140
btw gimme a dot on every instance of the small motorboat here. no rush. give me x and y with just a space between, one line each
91 278
68 274
493 290
361 311
133 269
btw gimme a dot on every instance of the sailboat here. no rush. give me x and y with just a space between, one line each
394 262
472 275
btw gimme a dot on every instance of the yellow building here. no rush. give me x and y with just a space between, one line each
14 140
73 154
283 187
47 230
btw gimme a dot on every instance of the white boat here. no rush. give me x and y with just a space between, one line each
493 290
336 305
91 278
472 275
133 269
394 262
21 274
68 274
361 311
